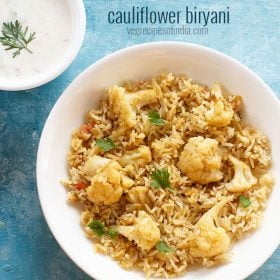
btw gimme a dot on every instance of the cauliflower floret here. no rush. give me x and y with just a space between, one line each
125 105
101 191
144 232
139 156
215 112
210 240
243 178
267 180
200 160
93 164
138 195
168 146
221 112
108 181
127 182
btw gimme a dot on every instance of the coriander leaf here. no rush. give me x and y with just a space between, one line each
97 227
155 119
112 233
163 247
160 179
105 144
155 184
15 37
244 201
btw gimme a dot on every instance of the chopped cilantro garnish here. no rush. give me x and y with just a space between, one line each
99 229
105 144
160 179
155 119
112 233
163 247
244 201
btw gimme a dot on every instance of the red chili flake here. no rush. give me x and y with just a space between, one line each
80 185
87 127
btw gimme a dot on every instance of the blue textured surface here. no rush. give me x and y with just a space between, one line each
27 248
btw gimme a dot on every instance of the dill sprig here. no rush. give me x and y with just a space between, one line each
16 37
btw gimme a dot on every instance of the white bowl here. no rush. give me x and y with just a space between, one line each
140 62
77 11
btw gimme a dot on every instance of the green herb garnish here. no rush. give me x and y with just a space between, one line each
155 119
99 229
105 144
244 201
16 37
163 247
112 233
160 179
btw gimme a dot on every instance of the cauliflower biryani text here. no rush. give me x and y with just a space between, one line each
169 174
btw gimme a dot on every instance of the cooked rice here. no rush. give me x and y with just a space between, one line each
182 106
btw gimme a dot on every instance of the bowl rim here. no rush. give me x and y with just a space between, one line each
71 86
45 77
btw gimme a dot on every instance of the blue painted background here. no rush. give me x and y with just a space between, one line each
27 248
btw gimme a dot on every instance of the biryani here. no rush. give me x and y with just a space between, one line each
168 174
